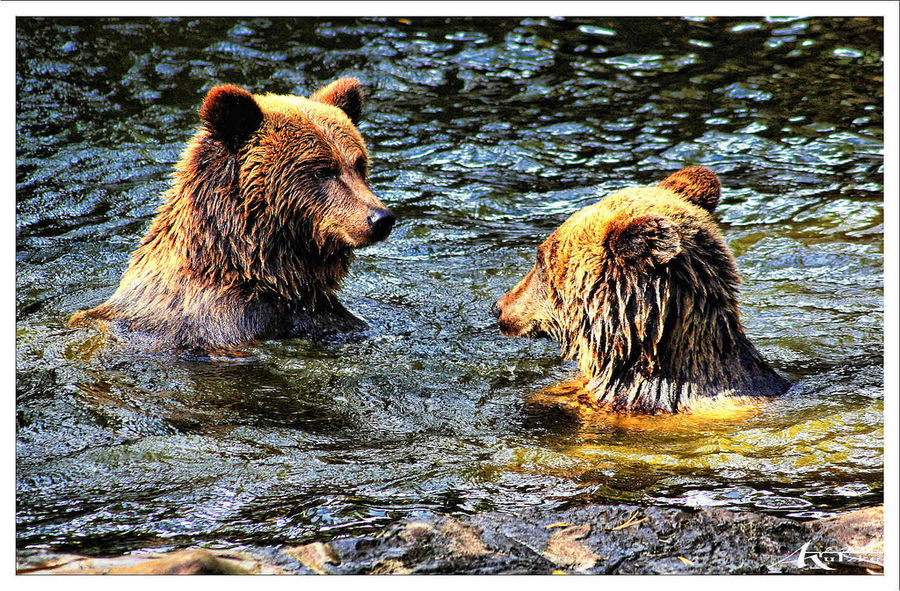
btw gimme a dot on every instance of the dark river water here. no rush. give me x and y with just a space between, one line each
484 136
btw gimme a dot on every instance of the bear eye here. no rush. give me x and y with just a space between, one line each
325 173
360 166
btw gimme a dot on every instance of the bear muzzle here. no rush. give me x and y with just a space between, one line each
495 310
519 312
380 221
510 325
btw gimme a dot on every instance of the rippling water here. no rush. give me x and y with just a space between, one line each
485 134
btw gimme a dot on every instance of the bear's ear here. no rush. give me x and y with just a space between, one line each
697 184
646 237
345 94
231 114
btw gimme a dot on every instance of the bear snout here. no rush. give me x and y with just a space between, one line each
380 221
508 316
495 310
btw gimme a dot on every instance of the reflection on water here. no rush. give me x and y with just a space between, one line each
485 135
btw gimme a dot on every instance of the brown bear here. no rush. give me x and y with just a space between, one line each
641 290
257 232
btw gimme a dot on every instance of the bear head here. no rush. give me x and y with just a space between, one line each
638 286
278 184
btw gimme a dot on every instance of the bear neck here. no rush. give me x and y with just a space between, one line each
205 239
732 368
665 348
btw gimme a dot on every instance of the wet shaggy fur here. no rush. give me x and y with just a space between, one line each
253 240
641 290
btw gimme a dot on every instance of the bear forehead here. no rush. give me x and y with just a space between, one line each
328 119
588 227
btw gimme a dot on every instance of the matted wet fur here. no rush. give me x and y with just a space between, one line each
256 234
641 291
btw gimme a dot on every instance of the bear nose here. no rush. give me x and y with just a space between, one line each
381 221
495 310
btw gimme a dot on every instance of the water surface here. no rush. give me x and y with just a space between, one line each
485 135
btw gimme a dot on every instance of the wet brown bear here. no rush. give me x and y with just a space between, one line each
258 230
641 290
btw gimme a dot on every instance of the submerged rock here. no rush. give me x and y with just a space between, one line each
599 539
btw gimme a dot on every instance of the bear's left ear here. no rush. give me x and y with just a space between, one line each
231 114
647 237
697 184
345 94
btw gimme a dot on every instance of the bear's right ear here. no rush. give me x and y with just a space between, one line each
645 238
231 114
697 184
345 94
